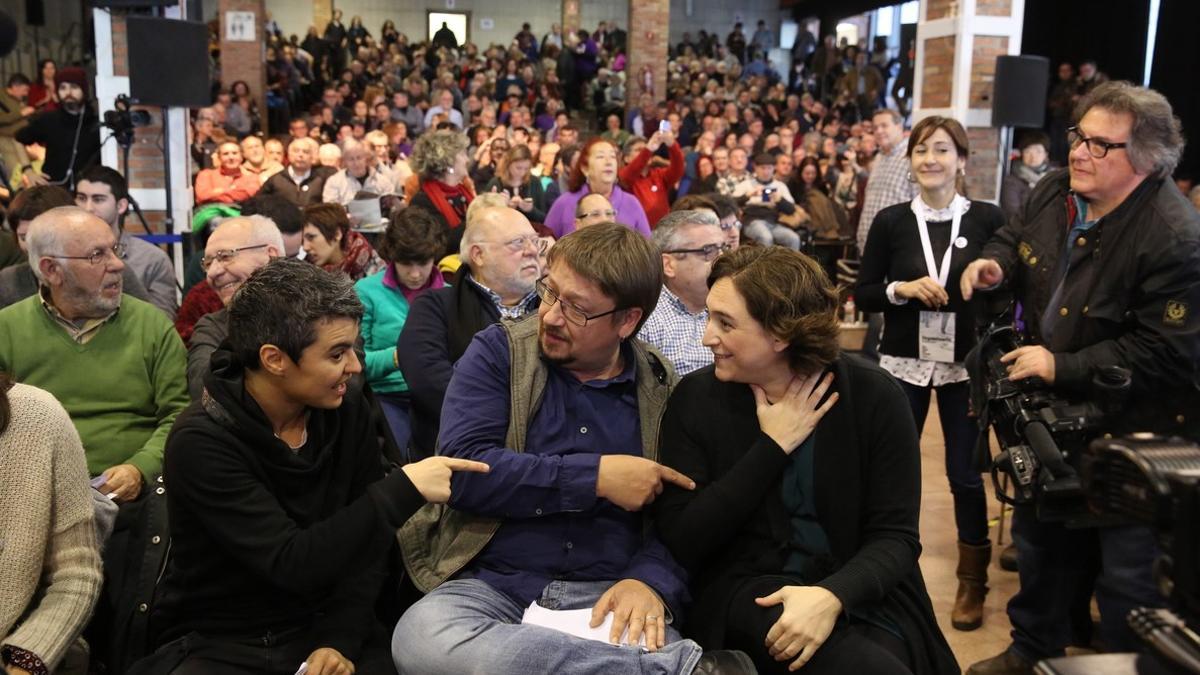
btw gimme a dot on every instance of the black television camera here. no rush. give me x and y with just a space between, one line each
1040 431
122 120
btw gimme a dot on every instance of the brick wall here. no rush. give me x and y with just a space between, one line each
983 164
985 49
993 7
145 170
322 13
648 33
246 60
938 72
571 16
941 9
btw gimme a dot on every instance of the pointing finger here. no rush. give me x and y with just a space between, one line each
672 476
456 464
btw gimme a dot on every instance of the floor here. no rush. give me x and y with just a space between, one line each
940 556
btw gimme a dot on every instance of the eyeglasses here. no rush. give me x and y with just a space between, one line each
570 312
225 256
1099 149
521 243
607 213
709 251
97 256
731 225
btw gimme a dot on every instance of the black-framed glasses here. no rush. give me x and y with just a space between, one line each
521 243
708 251
570 312
1098 148
226 256
98 255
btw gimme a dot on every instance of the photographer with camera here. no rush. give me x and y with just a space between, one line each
1104 259
70 132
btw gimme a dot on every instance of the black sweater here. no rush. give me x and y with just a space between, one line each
267 540
55 129
893 253
734 526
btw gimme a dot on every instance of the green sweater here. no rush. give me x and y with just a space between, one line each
123 389
384 312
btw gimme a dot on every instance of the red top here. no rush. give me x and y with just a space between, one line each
653 189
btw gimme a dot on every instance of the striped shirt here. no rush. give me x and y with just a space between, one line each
888 184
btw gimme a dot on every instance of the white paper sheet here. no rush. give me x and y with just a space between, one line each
572 622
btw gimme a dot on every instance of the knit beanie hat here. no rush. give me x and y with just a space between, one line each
73 75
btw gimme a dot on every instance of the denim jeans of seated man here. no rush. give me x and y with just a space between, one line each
767 233
466 626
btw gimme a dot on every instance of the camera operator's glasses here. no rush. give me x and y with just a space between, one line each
225 256
97 256
1098 149
709 251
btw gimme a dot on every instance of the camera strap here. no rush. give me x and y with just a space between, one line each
958 205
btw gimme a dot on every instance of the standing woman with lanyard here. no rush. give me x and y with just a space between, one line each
913 249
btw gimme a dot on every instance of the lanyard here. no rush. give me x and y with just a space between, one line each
957 205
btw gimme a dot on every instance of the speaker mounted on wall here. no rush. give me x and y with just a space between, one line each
1019 97
168 62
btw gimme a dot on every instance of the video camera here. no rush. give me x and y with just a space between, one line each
1155 481
1040 431
122 120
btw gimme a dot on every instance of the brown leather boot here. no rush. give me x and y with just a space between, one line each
972 585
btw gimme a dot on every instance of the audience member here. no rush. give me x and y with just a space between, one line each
439 160
330 244
764 201
648 177
688 242
228 183
359 175
595 171
594 209
50 563
285 215
499 254
301 182
1025 173
410 247
70 131
526 193
234 251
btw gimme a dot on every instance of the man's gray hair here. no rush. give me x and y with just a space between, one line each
1156 139
46 235
471 235
282 303
670 229
262 230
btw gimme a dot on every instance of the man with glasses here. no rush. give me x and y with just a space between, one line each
593 209
565 407
235 250
114 362
689 242
500 263
1105 261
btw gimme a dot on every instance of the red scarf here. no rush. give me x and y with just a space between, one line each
441 195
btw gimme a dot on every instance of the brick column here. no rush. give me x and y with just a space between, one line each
957 45
570 16
241 60
323 14
648 34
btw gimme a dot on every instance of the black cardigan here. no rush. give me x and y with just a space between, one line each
264 539
867 474
893 253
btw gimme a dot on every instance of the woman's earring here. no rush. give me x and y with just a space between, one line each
909 177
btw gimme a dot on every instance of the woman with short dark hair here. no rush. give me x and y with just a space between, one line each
411 245
801 537
333 246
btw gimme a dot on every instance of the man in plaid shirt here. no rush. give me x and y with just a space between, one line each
689 242
888 183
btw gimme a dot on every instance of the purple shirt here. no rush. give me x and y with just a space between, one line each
555 527
561 219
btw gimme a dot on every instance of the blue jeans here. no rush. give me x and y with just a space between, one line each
466 626
1054 564
395 410
960 432
767 233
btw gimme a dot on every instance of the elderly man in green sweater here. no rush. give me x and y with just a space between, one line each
115 362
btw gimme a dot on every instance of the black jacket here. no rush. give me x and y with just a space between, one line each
453 234
734 526
893 253
305 194
1131 296
439 327
265 539
56 130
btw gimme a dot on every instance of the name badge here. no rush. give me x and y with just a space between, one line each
936 336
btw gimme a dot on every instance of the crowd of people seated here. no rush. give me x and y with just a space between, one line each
424 366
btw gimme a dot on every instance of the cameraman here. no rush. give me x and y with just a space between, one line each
1104 258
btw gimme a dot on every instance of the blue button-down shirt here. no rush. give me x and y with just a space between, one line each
555 527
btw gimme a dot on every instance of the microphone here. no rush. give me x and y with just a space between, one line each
8 34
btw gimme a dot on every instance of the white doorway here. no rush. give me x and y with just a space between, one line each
459 23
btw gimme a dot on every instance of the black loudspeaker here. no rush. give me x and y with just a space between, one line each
168 62
1019 97
35 12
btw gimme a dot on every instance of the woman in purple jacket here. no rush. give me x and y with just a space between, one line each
596 171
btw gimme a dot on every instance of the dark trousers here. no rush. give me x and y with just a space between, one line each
852 647
1056 565
960 432
270 654
395 410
